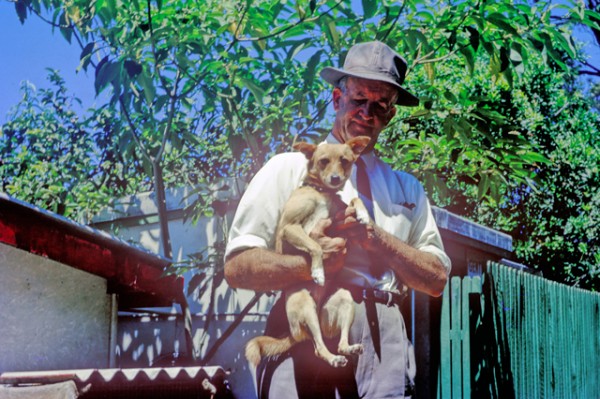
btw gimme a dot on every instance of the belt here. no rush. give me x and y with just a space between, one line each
379 296
370 296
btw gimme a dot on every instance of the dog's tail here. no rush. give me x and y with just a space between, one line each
261 346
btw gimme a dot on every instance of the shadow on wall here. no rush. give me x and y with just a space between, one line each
158 339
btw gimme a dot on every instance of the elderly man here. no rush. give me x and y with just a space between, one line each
400 247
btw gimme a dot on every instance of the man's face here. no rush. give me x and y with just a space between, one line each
364 109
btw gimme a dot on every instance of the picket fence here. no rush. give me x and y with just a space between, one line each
511 334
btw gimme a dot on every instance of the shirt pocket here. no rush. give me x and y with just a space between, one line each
398 221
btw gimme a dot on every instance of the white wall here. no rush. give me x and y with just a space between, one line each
52 316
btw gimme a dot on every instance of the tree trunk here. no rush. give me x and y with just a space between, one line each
161 205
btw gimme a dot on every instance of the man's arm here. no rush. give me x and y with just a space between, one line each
262 269
420 270
417 269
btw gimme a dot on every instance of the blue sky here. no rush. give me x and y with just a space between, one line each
25 53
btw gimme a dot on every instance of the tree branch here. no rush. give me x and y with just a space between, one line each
170 118
394 22
137 139
163 82
227 333
595 71
286 28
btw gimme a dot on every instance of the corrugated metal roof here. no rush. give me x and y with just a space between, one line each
156 382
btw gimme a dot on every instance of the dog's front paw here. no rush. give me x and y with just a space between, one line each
318 276
363 215
355 349
338 361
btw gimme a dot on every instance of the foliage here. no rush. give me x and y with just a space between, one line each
50 158
554 219
559 230
224 84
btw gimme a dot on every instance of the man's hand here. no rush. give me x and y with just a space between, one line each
352 227
334 248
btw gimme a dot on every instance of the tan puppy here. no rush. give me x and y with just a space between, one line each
329 166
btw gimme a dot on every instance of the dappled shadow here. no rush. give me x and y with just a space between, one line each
490 353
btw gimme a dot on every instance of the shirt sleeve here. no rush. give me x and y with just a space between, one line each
425 235
258 212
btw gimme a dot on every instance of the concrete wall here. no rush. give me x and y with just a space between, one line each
52 316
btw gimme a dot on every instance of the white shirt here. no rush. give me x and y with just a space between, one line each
393 192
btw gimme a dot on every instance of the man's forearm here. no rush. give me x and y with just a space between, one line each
417 269
260 269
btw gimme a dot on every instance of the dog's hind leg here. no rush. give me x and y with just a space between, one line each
337 317
301 310
295 235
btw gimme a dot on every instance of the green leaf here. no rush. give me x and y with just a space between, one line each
296 47
21 9
535 157
311 67
255 89
549 47
100 65
133 68
160 103
483 186
469 57
413 38
87 50
333 34
86 57
564 42
504 59
369 8
111 6
448 127
148 86
420 113
502 22
473 37
591 18
64 27
108 73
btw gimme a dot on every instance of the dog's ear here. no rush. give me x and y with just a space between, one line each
358 144
306 148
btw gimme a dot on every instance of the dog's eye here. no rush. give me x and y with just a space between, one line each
344 162
323 162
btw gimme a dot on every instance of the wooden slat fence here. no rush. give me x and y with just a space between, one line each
516 335
455 346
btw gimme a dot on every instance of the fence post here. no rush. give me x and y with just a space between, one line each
455 338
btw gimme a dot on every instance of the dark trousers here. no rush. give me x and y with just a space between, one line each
386 369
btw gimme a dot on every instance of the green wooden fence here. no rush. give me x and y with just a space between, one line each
512 334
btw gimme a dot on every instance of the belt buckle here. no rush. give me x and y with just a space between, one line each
382 296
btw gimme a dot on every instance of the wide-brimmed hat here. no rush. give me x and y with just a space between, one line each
375 61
